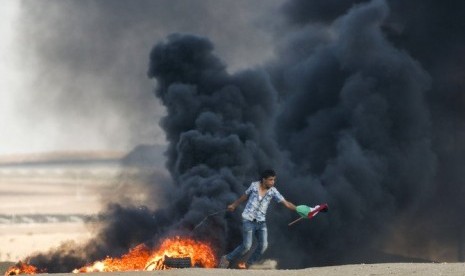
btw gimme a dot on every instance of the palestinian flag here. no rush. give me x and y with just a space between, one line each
310 212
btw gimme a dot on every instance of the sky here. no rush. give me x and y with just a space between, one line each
73 74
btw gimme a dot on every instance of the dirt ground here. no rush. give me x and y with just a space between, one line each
400 269
31 211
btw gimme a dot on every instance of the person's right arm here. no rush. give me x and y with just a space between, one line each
233 206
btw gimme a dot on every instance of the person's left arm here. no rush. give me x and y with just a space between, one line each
279 198
289 205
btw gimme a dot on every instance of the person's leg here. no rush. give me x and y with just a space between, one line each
247 236
261 234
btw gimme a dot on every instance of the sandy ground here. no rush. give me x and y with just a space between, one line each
49 195
38 213
19 241
401 269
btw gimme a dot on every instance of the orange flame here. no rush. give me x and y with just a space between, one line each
201 254
22 268
135 259
141 258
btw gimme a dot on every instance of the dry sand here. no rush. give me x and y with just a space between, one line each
401 269
19 241
26 201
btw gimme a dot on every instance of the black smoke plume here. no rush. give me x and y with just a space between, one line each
355 123
218 126
372 109
361 108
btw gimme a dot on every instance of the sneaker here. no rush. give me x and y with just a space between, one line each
224 262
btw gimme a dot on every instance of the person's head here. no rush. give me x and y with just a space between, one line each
267 178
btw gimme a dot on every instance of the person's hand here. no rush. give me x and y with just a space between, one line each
303 210
231 207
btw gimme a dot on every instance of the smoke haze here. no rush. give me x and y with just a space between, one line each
79 67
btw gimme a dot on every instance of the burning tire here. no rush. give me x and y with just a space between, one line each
174 262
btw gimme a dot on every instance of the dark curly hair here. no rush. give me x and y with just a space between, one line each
267 173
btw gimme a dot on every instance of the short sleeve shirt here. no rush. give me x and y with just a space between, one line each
256 207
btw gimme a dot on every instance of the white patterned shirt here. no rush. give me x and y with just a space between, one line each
256 207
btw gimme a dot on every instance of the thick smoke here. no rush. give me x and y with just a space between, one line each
433 36
373 107
218 125
354 118
361 108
